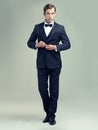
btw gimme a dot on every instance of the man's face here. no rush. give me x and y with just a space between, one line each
49 15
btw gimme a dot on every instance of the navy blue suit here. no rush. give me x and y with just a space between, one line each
49 63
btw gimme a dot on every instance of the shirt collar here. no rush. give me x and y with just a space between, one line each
49 23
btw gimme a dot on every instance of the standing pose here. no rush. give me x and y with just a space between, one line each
46 38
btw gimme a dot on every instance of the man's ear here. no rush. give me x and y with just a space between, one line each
44 13
55 14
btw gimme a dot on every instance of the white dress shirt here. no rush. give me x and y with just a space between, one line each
48 29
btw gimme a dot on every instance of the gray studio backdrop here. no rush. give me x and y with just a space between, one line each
18 79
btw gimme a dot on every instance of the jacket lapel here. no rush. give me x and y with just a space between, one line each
42 30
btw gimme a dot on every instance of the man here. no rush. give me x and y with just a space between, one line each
48 35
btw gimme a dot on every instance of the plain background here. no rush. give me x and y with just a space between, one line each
18 77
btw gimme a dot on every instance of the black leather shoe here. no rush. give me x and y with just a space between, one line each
52 121
46 119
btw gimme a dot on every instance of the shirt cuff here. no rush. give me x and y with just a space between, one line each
36 46
56 48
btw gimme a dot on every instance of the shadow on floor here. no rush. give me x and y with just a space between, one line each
29 117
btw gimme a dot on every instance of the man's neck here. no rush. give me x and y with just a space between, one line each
49 22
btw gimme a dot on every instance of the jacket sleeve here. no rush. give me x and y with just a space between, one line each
65 43
32 40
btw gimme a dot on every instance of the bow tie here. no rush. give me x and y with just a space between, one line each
48 25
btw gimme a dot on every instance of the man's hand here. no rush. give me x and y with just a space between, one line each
40 44
50 47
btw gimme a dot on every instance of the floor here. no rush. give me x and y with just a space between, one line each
72 114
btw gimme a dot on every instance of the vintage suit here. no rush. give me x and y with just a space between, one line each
49 63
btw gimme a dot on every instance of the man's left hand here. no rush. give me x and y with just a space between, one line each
50 47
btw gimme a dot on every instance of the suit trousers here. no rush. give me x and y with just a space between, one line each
48 85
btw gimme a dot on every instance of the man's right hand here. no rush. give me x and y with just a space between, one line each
40 44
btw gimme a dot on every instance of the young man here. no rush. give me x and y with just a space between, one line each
48 35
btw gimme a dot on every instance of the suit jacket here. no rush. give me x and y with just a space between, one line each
46 58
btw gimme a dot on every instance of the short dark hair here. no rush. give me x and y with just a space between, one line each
49 6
